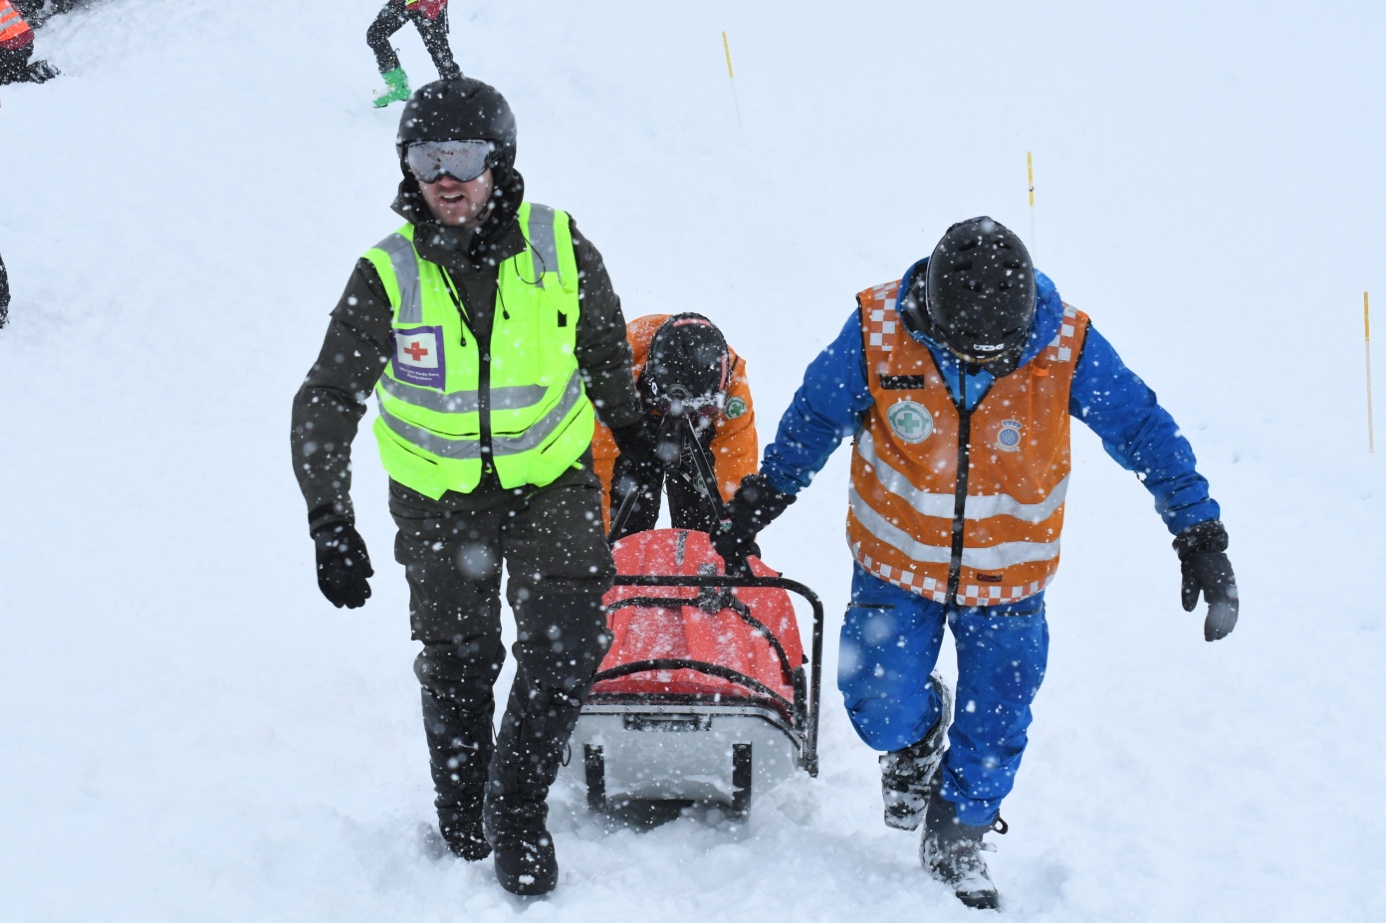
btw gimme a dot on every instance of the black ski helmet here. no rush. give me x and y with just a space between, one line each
979 291
688 362
459 109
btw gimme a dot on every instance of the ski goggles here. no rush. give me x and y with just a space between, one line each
430 161
678 402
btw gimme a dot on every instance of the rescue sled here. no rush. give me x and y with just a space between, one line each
703 695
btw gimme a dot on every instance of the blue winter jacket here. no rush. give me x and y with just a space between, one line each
832 402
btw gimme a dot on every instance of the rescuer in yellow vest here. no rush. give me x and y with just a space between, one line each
489 332
957 383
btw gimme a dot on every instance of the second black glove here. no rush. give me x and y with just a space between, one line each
757 503
1205 569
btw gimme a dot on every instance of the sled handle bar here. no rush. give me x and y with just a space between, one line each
775 583
699 666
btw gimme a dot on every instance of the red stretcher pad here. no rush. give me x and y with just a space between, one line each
645 632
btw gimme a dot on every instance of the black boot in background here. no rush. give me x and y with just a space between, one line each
952 853
910 775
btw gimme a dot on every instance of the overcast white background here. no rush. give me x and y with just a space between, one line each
189 731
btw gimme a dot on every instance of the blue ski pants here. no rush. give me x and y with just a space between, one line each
890 643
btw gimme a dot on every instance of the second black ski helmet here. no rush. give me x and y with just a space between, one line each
979 290
688 362
459 109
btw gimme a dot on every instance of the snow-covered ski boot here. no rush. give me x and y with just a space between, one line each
459 755
461 828
526 863
951 851
533 736
396 88
909 775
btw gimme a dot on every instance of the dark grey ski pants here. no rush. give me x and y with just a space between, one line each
549 538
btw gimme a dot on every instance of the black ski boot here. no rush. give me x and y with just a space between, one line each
534 734
526 863
909 775
952 853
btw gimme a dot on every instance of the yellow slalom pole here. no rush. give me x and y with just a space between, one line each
731 74
1367 328
1030 175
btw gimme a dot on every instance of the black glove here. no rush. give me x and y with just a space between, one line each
639 470
756 504
1203 562
343 565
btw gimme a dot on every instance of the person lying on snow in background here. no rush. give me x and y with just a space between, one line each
4 295
684 369
39 12
430 17
16 47
956 384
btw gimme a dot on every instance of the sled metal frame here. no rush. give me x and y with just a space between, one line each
803 726
797 719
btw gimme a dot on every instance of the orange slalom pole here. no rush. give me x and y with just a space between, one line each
1367 329
1030 176
731 75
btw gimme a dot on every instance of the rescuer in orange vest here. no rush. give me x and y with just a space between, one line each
957 383
16 46
682 364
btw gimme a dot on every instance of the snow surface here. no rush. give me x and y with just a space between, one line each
189 732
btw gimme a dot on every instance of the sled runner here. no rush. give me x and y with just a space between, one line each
702 696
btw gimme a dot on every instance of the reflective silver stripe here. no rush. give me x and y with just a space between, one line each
469 448
941 505
541 241
428 399
930 504
893 535
542 429
406 266
996 557
515 398
456 449
1006 505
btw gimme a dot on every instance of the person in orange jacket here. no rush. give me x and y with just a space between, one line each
682 365
16 46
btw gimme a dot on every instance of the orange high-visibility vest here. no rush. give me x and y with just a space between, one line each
14 31
952 504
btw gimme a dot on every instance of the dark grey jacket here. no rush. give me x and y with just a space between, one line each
329 406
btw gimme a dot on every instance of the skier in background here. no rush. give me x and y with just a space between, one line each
4 295
16 47
430 17
682 366
489 332
958 397
39 12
